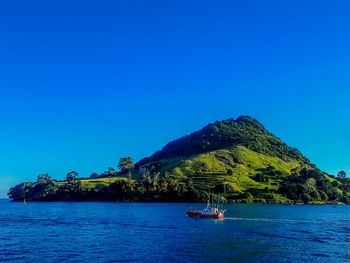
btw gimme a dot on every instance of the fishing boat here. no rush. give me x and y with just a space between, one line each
208 212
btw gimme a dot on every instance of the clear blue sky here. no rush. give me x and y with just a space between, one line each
83 83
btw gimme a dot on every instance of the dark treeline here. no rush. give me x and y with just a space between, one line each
304 185
156 189
311 185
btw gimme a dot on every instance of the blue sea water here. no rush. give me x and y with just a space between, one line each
158 232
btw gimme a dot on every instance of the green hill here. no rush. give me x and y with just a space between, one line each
238 159
236 168
244 131
245 162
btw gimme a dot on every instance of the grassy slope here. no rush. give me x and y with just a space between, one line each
99 182
209 169
96 183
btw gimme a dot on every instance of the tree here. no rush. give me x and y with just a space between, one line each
94 175
72 176
44 187
156 178
341 174
335 184
261 177
44 179
21 191
126 163
310 182
72 183
110 173
129 175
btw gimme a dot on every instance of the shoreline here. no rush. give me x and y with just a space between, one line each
165 202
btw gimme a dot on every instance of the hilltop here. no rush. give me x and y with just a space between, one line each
238 159
244 131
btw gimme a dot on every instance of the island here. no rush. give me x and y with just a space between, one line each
235 160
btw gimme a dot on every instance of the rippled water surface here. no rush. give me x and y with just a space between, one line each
150 232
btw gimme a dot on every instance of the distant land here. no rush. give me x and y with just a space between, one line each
237 160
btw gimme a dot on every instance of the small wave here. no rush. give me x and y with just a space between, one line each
301 231
276 236
318 240
158 227
10 259
321 255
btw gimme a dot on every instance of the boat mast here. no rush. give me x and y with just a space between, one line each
208 203
217 206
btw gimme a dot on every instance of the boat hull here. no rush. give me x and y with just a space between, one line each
211 216
198 214
193 213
